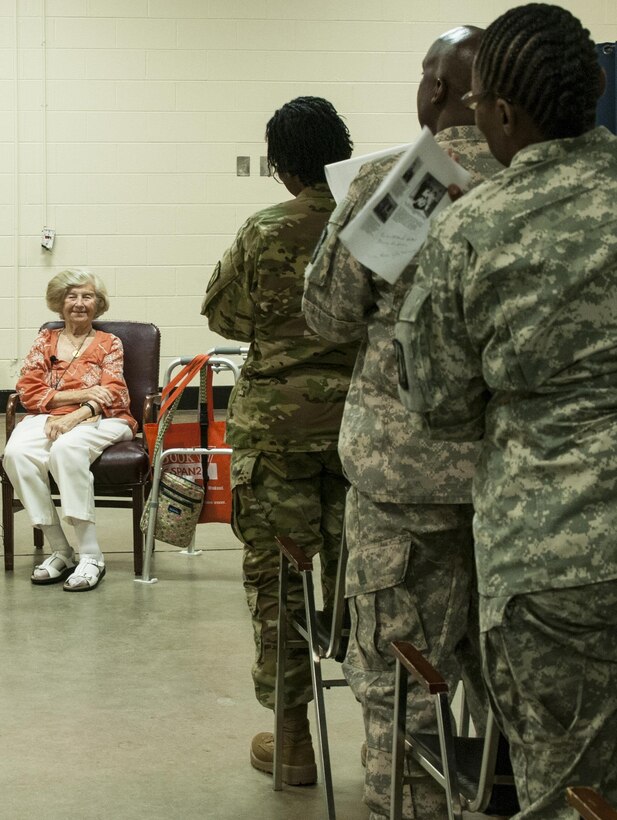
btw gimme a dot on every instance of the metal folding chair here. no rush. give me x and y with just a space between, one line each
325 636
219 362
474 772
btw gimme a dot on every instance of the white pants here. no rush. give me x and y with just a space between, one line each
30 456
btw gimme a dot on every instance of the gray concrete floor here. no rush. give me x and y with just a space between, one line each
136 701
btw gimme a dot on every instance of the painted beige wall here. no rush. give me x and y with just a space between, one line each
122 119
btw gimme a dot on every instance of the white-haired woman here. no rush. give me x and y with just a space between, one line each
72 386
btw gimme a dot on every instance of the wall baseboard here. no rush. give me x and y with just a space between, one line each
189 398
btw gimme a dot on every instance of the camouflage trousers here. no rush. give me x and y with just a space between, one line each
409 577
301 495
551 670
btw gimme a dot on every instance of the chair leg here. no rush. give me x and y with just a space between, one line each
398 743
138 538
279 696
316 679
444 724
8 525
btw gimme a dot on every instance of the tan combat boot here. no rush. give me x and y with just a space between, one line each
299 767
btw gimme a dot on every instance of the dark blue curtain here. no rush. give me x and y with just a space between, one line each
607 105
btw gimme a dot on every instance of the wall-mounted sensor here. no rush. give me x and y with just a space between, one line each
47 238
243 166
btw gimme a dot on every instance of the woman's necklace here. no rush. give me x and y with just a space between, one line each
76 348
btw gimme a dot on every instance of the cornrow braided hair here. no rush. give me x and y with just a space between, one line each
542 58
303 136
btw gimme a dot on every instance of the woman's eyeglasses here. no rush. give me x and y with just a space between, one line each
471 100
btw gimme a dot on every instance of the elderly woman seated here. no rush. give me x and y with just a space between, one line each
72 386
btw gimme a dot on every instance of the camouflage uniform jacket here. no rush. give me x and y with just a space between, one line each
384 453
292 388
514 311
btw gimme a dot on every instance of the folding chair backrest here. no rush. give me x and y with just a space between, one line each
495 782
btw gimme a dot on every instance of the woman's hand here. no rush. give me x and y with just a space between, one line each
454 192
99 394
55 426
102 396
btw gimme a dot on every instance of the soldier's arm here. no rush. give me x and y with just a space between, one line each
338 291
228 303
440 370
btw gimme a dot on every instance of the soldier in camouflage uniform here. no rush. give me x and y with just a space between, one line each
512 334
408 520
285 410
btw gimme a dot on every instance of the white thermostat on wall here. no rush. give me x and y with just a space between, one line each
47 238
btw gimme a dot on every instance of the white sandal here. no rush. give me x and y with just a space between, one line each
56 572
87 575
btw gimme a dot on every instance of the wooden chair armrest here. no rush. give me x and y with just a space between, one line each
294 554
150 403
12 405
589 804
417 665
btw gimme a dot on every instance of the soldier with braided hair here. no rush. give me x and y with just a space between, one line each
285 410
541 61
510 336
301 136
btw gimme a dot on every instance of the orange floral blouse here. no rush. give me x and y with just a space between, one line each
43 375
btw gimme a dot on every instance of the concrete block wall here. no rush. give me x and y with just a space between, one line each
121 121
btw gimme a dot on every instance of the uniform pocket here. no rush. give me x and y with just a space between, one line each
377 566
383 608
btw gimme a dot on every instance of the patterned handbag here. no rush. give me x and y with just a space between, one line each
180 503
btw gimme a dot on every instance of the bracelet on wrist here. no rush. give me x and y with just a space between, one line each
93 411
